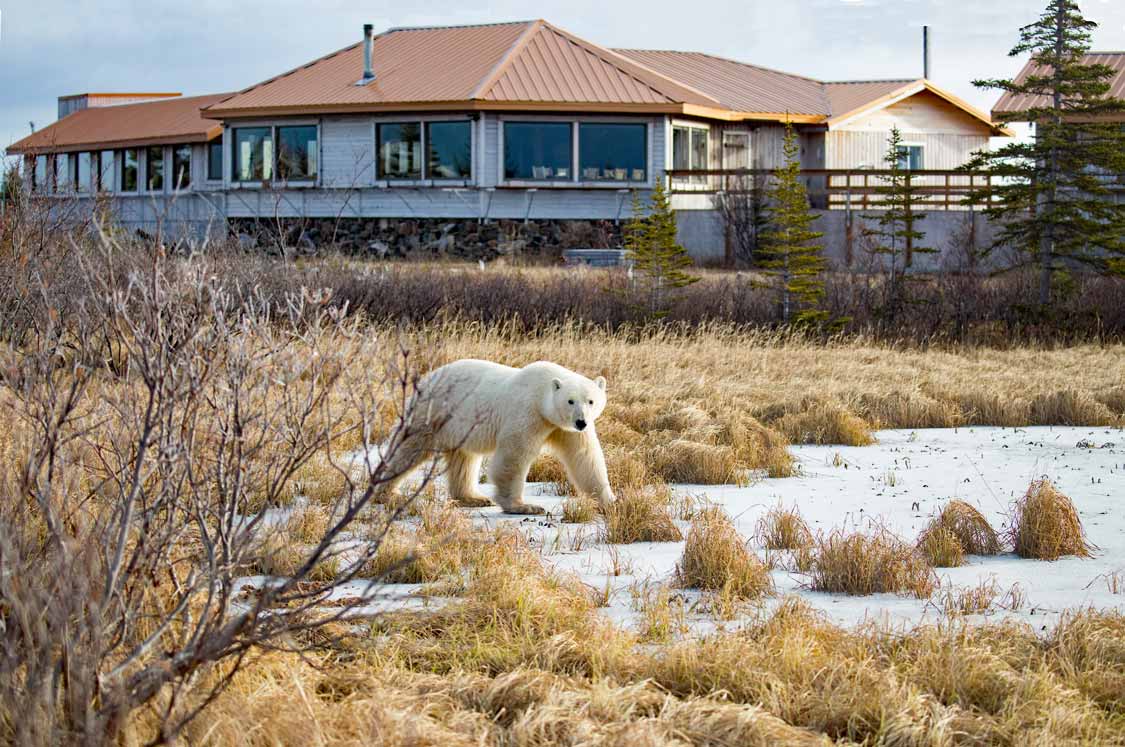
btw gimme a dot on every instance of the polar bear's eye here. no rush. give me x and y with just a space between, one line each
570 401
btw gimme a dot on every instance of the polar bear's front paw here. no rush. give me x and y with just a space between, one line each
524 508
472 501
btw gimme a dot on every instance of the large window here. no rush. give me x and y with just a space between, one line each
450 149
181 166
129 170
296 153
253 154
400 150
215 161
910 157
154 168
538 150
612 152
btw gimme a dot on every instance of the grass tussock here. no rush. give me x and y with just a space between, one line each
579 510
825 423
663 614
438 549
783 529
716 559
967 525
1046 525
878 562
941 548
682 461
643 515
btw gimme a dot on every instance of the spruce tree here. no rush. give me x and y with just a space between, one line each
789 255
897 238
660 264
1051 200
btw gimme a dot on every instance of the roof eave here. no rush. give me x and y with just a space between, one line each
18 148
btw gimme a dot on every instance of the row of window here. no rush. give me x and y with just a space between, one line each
96 171
533 151
536 151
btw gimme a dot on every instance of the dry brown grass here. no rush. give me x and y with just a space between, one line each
972 531
643 515
969 600
871 563
825 423
1046 525
439 549
579 510
941 548
716 559
783 529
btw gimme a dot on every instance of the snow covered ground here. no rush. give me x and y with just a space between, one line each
901 482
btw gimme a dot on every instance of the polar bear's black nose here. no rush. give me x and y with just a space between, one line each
580 424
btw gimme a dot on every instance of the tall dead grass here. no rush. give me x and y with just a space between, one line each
1046 524
716 559
870 563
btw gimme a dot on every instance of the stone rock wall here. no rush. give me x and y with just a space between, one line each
429 237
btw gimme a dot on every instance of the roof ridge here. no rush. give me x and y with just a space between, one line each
616 59
462 25
871 80
487 82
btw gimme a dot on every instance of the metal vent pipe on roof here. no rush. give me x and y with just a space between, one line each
926 52
368 51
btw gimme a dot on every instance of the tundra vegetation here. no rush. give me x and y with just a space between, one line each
189 535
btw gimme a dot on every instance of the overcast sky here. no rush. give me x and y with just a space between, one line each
50 48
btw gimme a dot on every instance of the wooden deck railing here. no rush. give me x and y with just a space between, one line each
843 189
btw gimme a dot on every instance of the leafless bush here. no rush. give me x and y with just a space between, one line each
146 427
742 210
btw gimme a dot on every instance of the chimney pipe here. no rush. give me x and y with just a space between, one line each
926 52
368 46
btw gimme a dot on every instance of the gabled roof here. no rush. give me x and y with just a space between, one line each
1012 102
870 96
504 65
173 120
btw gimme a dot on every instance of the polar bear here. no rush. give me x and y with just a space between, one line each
468 409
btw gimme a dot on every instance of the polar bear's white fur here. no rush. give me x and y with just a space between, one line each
472 408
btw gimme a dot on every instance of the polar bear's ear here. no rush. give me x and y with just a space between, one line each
600 381
558 384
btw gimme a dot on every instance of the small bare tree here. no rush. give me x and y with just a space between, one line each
149 434
743 210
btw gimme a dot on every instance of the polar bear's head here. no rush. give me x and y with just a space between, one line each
575 402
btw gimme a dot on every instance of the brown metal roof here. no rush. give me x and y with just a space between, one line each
737 86
521 63
847 96
175 120
1012 102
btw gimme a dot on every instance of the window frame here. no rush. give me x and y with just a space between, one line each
575 181
904 152
614 182
692 127
148 170
426 179
136 190
175 185
219 144
277 176
230 141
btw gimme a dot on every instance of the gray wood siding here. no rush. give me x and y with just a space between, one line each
347 152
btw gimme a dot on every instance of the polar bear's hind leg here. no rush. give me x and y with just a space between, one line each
508 472
462 474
